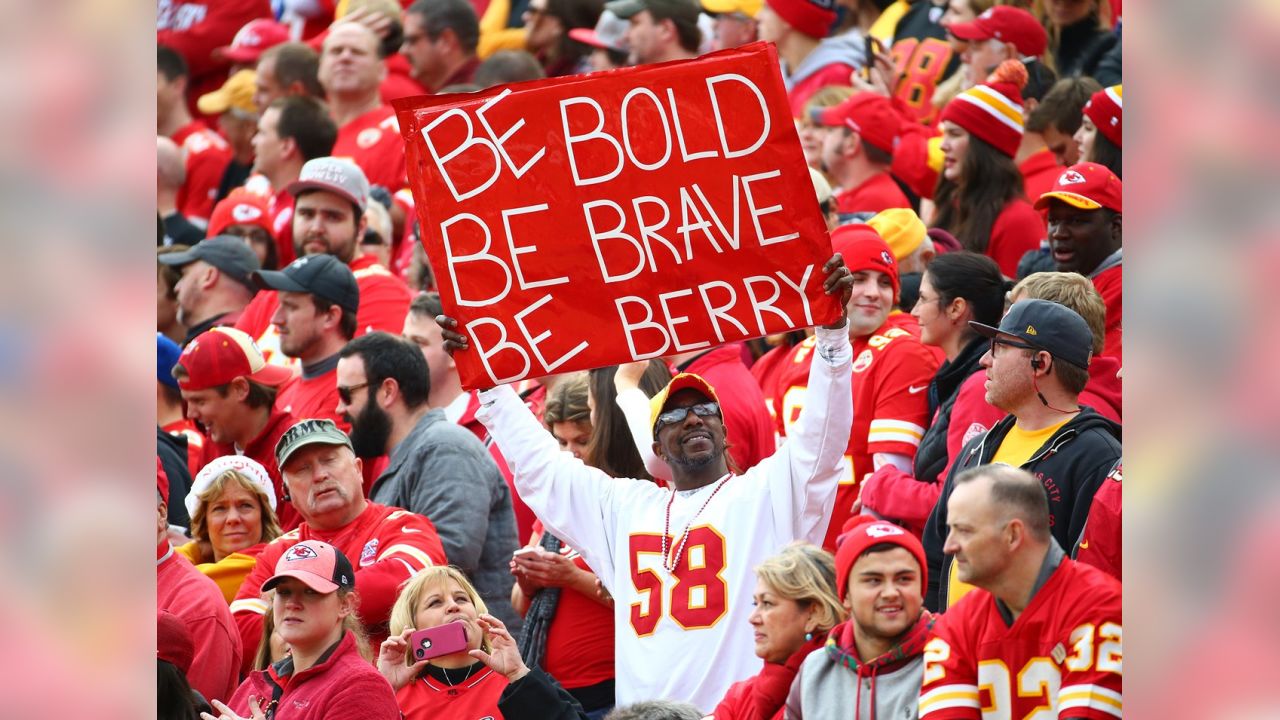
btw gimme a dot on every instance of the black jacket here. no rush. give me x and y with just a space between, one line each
931 457
1071 464
537 696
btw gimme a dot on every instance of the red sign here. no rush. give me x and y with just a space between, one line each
586 221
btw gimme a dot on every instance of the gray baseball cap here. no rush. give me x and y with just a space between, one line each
685 10
308 432
322 275
231 255
335 175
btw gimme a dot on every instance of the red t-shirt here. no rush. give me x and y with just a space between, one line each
208 155
877 193
263 449
766 371
1039 172
315 397
747 424
373 142
1017 229
281 208
1108 283
399 83
384 301
891 375
580 638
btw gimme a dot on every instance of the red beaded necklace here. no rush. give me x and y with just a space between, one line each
668 564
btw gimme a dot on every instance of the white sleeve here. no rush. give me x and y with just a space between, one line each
898 460
634 405
576 502
802 476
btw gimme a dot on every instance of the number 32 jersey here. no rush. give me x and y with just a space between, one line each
1062 658
684 635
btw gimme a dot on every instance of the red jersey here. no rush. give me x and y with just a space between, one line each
195 442
1017 229
877 193
1039 172
475 698
281 208
1062 657
766 371
208 155
580 637
891 375
1100 541
386 545
195 27
384 301
399 82
315 397
373 142
747 425
263 449
1108 283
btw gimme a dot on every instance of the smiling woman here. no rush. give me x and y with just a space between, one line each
232 509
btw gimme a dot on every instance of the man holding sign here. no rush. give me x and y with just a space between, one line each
679 561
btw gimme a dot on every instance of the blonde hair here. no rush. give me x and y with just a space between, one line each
806 574
200 528
402 613
1072 290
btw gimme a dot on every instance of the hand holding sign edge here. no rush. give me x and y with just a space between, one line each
838 284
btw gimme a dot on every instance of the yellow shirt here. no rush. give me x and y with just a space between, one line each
1015 449
229 572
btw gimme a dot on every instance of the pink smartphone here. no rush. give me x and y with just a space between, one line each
437 641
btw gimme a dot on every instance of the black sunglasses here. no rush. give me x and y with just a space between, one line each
675 415
344 393
1010 343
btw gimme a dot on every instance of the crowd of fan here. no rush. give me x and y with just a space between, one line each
912 512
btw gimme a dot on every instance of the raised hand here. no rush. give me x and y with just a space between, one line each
838 284
504 657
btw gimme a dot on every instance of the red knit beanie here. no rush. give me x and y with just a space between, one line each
864 531
993 111
1106 111
863 249
811 17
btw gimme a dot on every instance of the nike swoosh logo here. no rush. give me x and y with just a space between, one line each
409 530
916 390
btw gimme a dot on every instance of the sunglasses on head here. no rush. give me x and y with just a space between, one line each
675 415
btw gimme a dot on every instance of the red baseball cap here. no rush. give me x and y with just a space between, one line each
1008 24
870 115
240 207
1087 186
218 356
173 641
252 40
319 565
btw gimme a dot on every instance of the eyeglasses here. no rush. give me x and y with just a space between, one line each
344 393
534 12
675 415
999 341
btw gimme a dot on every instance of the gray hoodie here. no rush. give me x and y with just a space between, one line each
849 49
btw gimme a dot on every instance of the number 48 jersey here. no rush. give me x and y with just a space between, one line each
1060 659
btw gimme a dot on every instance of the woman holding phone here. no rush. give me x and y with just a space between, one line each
325 676
433 685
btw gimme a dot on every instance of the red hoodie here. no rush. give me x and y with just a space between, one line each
764 697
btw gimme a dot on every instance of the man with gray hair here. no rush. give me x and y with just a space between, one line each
440 40
1041 633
